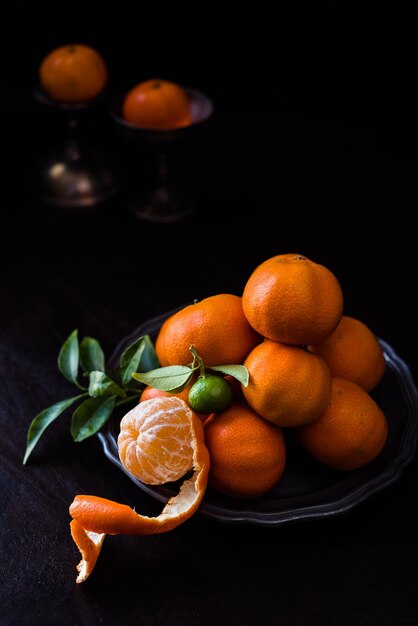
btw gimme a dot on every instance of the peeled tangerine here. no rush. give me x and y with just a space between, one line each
160 440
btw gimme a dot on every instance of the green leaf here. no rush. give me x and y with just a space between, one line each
68 358
239 372
43 420
149 359
101 385
129 360
90 416
91 355
169 378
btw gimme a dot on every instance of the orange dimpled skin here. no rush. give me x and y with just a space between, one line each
157 104
247 453
351 432
353 352
291 299
288 385
152 392
160 344
73 73
216 326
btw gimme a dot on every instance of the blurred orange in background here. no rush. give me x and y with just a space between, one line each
73 73
157 104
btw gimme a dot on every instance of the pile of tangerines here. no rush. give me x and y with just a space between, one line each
78 73
310 367
310 370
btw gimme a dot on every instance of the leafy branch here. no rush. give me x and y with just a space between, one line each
106 389
175 378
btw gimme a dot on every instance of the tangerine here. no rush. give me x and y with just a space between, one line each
247 453
353 352
157 104
287 384
73 73
154 440
216 326
291 299
210 394
160 344
350 433
152 392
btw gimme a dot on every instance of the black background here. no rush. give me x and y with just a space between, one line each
312 148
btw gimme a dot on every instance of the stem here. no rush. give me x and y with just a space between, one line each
199 360
77 384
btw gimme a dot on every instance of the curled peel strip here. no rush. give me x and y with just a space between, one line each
95 517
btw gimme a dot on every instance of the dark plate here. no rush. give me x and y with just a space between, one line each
307 489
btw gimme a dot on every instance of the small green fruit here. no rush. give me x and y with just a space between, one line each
210 394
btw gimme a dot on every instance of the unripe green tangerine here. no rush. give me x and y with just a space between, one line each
210 394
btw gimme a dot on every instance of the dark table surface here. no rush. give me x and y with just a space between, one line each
342 194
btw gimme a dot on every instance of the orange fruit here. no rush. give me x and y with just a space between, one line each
73 73
160 439
291 299
152 392
154 440
216 326
157 104
236 387
247 453
210 394
160 344
353 352
288 385
351 432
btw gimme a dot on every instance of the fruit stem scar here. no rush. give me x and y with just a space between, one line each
300 258
156 85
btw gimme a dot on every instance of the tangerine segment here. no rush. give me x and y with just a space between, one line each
95 517
154 440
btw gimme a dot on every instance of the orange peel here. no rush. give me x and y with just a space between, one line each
95 517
